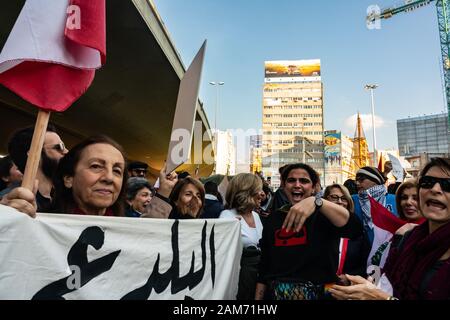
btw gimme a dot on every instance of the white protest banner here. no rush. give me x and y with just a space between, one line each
397 168
85 257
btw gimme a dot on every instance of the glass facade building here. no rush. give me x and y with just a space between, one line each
426 134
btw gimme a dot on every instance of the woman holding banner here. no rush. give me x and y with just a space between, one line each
418 267
90 180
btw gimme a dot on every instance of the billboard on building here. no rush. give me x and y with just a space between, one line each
332 150
292 71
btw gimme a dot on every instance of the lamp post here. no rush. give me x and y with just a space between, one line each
217 85
216 132
372 87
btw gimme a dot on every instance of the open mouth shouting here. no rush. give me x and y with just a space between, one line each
434 204
297 195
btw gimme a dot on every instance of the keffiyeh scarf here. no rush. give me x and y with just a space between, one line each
379 193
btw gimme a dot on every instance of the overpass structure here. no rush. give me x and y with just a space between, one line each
133 97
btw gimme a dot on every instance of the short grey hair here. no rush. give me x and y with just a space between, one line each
134 184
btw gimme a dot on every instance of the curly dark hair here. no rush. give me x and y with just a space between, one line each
312 173
443 163
19 144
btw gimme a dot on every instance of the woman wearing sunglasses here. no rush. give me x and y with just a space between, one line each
418 266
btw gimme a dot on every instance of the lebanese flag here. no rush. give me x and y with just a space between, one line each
380 163
385 224
53 50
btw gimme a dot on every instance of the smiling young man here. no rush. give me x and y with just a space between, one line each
299 242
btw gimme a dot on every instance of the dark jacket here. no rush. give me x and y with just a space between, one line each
212 209
130 212
279 200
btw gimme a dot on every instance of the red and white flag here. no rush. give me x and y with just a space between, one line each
385 224
53 50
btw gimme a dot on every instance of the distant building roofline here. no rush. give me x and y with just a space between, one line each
425 117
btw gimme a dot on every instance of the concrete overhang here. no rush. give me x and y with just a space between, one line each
132 98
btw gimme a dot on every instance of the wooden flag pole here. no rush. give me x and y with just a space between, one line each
34 154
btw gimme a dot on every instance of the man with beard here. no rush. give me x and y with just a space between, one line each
52 151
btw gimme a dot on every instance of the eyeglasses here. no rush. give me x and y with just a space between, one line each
428 182
300 180
58 147
336 198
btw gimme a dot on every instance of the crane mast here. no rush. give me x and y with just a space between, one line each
443 15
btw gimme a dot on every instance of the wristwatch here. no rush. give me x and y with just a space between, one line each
318 202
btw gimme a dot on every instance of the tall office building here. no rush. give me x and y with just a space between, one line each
292 116
225 153
426 134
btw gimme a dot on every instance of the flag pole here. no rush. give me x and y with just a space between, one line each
34 154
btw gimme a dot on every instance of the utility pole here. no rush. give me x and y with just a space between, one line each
216 131
372 87
217 85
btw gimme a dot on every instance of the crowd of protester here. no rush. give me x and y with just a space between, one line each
300 242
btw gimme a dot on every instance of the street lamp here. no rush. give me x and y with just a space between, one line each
372 87
217 84
216 132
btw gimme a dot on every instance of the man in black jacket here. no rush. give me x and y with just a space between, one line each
213 207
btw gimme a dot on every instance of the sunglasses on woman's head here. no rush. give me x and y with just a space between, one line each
427 182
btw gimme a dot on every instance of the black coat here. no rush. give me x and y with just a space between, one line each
212 209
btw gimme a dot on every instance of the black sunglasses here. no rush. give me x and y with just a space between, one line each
427 182
140 171
58 147
301 180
